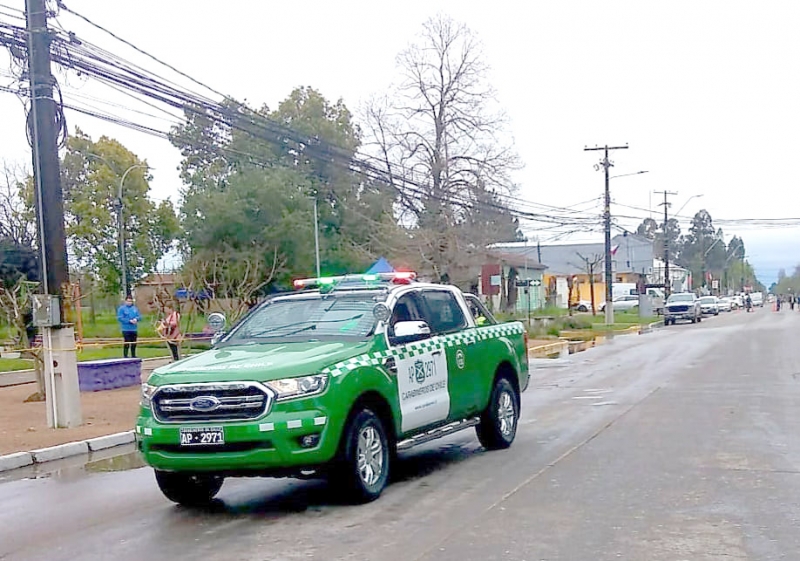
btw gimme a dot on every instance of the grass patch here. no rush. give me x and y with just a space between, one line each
102 353
106 326
142 351
12 364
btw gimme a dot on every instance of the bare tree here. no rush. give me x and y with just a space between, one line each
439 139
591 265
16 219
234 279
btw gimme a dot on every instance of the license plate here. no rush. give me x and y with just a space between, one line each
202 436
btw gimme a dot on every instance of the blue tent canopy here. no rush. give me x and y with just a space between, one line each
381 266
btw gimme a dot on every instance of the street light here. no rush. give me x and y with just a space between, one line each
627 174
687 202
118 205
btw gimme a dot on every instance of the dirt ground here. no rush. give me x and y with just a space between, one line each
23 426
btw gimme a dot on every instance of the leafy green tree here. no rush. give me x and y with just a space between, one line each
653 230
252 177
91 176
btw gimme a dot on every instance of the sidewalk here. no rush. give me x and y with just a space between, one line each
23 426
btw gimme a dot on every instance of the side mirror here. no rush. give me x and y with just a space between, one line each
216 321
408 331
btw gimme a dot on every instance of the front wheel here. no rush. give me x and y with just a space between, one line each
362 469
188 489
498 423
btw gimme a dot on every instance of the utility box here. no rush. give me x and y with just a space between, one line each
46 310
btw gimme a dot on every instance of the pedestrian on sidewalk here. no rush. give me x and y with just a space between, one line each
169 329
128 316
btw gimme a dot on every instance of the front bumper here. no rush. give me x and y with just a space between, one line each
679 315
270 444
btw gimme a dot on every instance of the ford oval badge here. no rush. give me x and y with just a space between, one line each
204 403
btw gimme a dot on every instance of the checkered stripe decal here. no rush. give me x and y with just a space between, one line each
414 349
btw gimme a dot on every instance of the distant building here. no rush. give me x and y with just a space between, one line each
510 281
631 261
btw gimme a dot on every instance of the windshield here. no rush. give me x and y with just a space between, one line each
708 300
680 298
309 318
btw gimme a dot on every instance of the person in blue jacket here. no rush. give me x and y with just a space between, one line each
128 316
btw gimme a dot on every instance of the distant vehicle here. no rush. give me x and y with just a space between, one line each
725 304
757 298
622 303
684 305
582 306
709 306
737 302
624 289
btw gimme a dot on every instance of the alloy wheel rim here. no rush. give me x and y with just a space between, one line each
370 456
506 415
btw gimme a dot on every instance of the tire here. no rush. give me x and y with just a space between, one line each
362 468
498 424
188 489
583 309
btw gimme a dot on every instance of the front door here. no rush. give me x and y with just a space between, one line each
449 326
422 375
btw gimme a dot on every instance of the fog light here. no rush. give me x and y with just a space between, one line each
309 441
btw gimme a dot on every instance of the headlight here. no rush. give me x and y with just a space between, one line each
303 386
147 395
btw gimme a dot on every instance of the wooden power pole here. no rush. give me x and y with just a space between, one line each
58 339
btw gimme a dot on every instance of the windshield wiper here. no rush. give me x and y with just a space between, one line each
307 328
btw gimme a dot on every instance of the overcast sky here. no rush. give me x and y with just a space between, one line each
705 93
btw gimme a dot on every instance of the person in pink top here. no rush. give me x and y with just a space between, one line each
169 329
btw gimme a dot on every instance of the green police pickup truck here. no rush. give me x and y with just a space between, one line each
331 381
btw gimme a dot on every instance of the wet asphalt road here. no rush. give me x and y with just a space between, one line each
676 445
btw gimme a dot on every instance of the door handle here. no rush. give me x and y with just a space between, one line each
390 365
436 353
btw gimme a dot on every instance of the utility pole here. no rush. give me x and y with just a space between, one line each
667 283
606 163
58 339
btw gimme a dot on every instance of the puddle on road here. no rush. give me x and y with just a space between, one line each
119 458
132 460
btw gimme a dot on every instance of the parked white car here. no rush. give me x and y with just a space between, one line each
736 302
622 303
709 306
725 304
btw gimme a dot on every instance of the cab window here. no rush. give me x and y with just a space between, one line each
480 314
407 308
443 312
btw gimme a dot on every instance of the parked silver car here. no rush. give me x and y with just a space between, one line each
684 305
709 305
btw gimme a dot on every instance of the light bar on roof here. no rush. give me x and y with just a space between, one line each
397 277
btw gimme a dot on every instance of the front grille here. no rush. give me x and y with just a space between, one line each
221 401
678 308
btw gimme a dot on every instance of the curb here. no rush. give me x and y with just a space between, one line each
14 461
61 451
110 440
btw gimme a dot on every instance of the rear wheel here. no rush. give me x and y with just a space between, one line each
188 489
498 424
362 469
